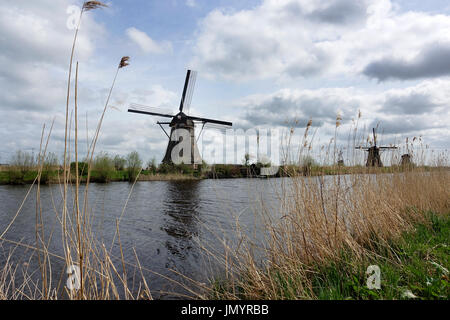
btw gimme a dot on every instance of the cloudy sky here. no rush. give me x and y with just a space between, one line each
261 64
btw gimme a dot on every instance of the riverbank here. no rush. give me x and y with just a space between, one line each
220 171
55 177
414 266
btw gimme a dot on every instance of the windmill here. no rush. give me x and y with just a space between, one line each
181 121
406 157
373 157
406 160
340 159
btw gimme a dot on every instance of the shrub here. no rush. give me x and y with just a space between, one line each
151 165
50 165
119 162
103 168
165 168
21 164
82 168
134 165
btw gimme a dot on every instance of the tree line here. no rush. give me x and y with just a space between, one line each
23 167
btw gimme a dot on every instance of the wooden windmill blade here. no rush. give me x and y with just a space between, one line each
205 120
152 111
188 90
374 138
209 125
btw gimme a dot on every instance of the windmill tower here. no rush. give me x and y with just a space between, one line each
373 157
406 160
406 157
181 121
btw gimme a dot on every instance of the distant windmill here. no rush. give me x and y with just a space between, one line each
406 160
406 157
373 157
181 121
340 158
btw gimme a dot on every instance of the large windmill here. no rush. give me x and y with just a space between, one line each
373 157
181 121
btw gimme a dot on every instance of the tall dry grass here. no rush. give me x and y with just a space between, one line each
322 220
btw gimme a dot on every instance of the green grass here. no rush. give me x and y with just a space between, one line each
18 178
15 177
416 262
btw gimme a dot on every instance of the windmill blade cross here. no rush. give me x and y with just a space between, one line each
181 120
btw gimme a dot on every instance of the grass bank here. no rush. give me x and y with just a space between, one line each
415 266
220 171
56 177
321 241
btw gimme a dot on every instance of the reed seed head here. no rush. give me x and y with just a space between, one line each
124 62
338 120
92 5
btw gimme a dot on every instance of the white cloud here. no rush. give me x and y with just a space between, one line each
289 107
414 110
147 44
303 38
433 61
35 52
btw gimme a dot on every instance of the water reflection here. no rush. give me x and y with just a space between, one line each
181 217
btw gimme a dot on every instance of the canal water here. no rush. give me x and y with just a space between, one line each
167 223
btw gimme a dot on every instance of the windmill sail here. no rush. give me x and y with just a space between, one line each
224 123
140 108
188 90
374 137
